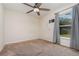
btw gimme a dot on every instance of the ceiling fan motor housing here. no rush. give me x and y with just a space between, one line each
36 10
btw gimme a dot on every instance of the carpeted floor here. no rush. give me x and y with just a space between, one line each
37 48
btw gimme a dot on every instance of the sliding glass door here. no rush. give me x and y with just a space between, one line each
65 20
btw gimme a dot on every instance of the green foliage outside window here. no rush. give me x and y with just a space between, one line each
65 30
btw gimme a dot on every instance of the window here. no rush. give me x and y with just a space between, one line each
65 19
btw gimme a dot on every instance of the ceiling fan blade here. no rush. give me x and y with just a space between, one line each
28 5
29 11
37 5
38 13
45 9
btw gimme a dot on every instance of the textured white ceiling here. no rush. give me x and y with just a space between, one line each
23 8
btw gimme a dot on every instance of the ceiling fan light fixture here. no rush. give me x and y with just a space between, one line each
36 10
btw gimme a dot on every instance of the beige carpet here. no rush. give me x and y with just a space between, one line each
37 48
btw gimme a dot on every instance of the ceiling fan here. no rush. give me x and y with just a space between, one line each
36 8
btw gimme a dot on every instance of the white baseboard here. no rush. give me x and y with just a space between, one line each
18 41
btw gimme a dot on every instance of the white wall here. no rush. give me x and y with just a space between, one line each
1 27
47 28
20 27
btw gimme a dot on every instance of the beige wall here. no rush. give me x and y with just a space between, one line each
20 27
1 27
